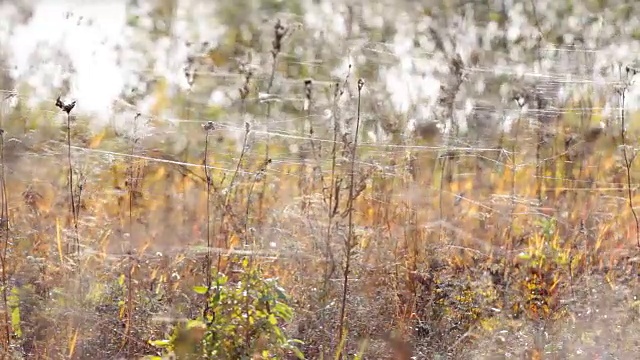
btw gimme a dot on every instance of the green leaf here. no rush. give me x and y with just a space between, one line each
221 280
217 296
283 310
297 352
524 256
160 343
195 323
282 296
15 321
200 289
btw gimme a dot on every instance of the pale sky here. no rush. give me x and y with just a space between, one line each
67 22
89 30
90 46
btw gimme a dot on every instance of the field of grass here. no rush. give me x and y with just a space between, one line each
225 235
473 261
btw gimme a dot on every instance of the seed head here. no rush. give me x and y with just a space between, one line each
307 89
244 89
279 32
209 126
65 107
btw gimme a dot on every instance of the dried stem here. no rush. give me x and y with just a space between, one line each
71 189
74 207
628 160
131 180
303 167
350 238
514 170
247 130
279 33
207 173
4 221
334 184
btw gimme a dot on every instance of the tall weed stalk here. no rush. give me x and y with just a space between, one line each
628 159
132 194
280 31
4 221
334 182
350 241
67 108
208 128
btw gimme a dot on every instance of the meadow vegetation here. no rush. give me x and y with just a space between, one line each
308 217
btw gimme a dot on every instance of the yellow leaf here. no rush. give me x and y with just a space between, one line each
364 242
59 239
370 213
72 343
218 57
234 240
455 186
468 185
161 98
97 139
157 176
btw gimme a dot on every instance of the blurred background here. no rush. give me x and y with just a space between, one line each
118 51
494 195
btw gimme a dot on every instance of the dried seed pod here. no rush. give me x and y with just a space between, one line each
65 107
594 133
209 126
427 130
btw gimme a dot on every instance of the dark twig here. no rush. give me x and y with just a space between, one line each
208 128
628 160
280 31
350 238
74 207
4 221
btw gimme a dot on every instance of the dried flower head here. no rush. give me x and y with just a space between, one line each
360 84
65 107
190 74
594 133
307 95
427 130
520 99
244 92
456 65
209 126
244 89
279 33
620 88
307 89
336 90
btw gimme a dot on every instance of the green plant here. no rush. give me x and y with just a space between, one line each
245 319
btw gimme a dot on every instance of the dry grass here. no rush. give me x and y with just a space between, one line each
461 270
520 244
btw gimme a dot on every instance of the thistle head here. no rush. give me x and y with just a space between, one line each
209 126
